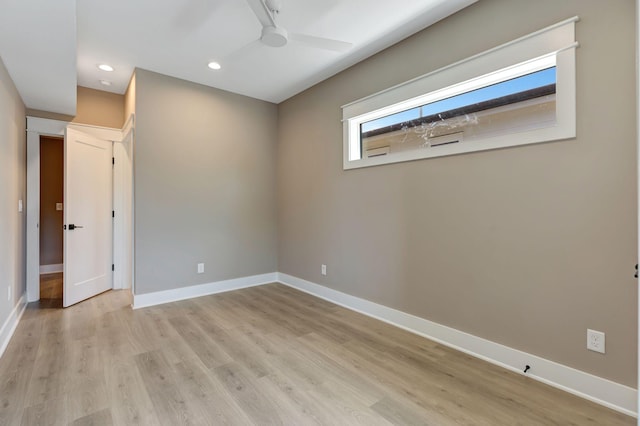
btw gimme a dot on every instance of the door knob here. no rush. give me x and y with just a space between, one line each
72 226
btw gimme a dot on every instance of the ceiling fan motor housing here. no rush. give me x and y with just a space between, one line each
274 36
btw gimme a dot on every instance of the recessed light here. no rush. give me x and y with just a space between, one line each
105 67
214 65
105 82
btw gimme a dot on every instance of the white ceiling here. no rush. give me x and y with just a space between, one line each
38 47
42 43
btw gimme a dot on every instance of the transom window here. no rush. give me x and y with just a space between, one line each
527 102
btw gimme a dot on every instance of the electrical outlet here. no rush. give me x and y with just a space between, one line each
323 270
201 268
595 341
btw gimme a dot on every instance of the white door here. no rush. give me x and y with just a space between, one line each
87 216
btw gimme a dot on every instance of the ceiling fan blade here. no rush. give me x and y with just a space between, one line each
194 13
262 12
321 43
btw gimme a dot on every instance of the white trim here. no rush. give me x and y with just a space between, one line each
33 215
51 269
129 125
602 391
173 295
105 133
45 126
550 44
638 175
10 325
123 207
35 128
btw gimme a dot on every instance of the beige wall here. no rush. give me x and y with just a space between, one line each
12 188
51 192
94 107
204 184
99 108
526 246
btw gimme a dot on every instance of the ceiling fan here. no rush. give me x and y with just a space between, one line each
274 35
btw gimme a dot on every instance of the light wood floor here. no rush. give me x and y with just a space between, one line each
264 355
50 291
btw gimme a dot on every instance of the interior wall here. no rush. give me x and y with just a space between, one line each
51 192
526 246
99 108
204 184
12 189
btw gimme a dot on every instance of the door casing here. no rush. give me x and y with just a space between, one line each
123 222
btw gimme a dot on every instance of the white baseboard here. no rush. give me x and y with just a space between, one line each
9 326
602 391
51 269
173 295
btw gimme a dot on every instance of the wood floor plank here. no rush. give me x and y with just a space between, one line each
242 387
223 311
87 398
398 381
10 417
47 379
116 339
84 363
53 412
17 364
297 406
204 347
101 418
209 395
242 352
268 313
169 403
338 374
128 398
348 405
406 413
307 315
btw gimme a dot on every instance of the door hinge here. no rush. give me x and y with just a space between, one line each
113 160
113 213
113 268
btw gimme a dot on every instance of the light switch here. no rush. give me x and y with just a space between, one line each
59 206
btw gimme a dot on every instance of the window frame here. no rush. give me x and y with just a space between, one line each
481 70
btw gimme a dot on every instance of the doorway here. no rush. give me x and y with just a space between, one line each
122 236
51 221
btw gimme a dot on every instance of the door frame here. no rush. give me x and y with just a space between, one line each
123 206
123 185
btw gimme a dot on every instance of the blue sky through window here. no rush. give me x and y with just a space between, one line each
516 85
